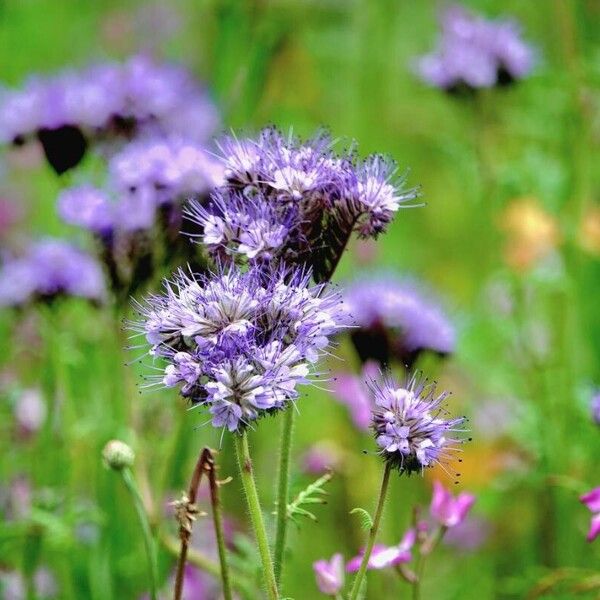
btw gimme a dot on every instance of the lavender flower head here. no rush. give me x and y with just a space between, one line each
48 269
396 319
474 53
240 342
294 201
411 426
69 110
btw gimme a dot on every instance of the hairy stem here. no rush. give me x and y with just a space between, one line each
372 534
283 488
247 476
146 531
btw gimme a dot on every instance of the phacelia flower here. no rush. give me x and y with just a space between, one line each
386 556
140 208
395 319
50 268
592 501
330 575
449 510
65 112
297 201
30 411
411 426
240 342
474 53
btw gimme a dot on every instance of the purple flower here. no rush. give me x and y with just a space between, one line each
353 391
330 575
447 509
48 269
13 586
321 457
67 111
30 411
240 342
410 424
469 535
592 501
595 407
87 207
476 53
386 556
395 319
295 201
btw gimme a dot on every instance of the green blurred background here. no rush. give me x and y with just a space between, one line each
509 237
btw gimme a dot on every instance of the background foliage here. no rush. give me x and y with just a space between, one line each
529 350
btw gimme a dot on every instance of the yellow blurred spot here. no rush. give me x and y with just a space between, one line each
532 233
589 231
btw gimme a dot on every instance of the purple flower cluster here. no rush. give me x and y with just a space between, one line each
411 426
592 501
474 52
48 269
297 201
395 319
143 177
240 342
67 110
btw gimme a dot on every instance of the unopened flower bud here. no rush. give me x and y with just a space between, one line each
117 455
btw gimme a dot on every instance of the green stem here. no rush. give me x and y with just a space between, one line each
283 488
146 531
246 473
217 511
372 534
426 549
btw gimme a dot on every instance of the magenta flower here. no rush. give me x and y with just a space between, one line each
592 501
330 574
449 510
386 556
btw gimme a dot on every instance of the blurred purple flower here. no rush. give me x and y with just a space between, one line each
50 268
395 319
410 425
449 510
592 501
321 457
474 52
386 556
330 575
353 391
12 585
30 411
469 535
595 407
68 110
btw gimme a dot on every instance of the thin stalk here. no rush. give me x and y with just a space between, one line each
283 488
246 473
372 534
187 515
426 549
217 511
146 531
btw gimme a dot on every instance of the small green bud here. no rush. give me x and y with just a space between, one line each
117 455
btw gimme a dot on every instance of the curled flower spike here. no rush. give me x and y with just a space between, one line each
411 426
240 342
592 501
298 202
330 575
449 510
